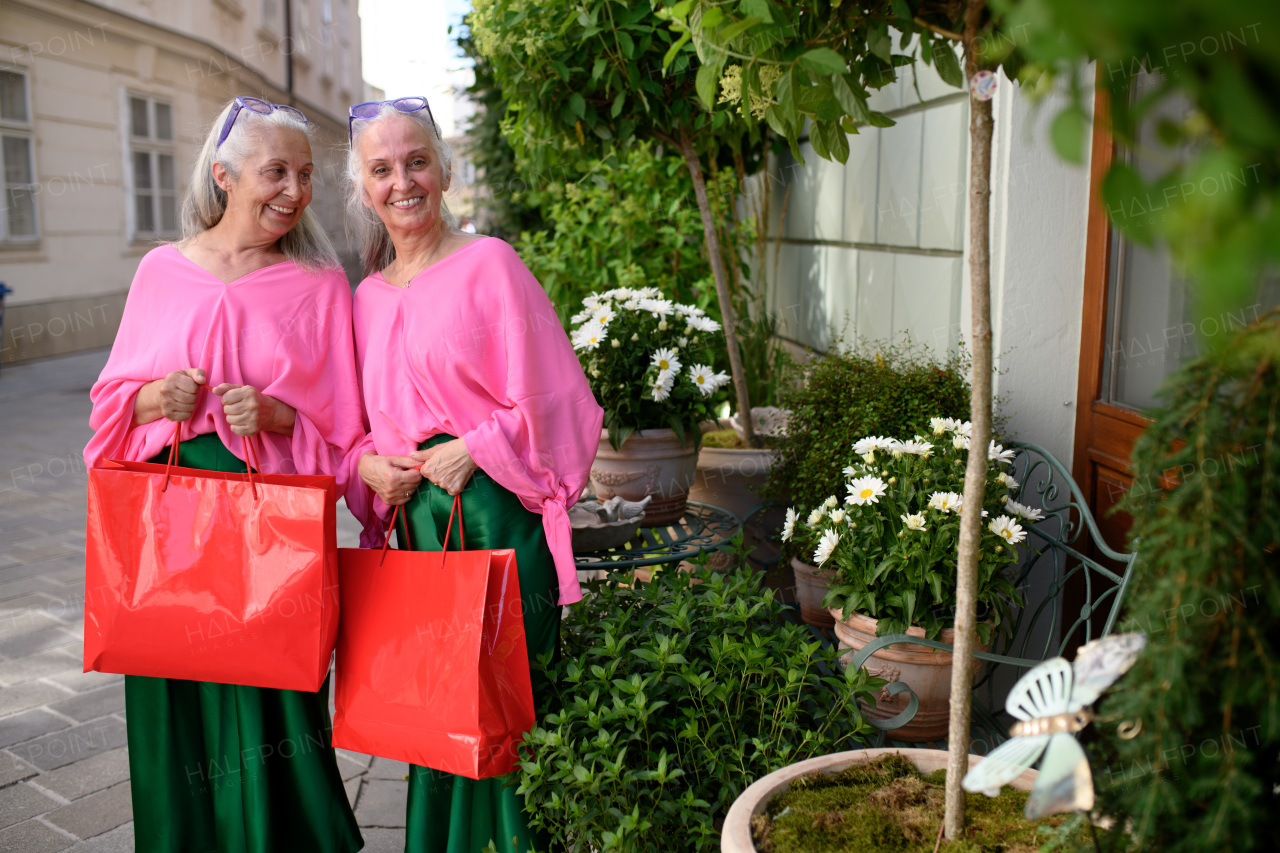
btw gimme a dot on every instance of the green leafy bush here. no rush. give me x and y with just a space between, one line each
881 389
1201 774
675 696
629 222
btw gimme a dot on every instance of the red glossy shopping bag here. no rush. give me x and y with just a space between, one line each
210 575
431 663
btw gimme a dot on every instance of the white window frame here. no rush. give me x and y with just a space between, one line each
20 130
153 146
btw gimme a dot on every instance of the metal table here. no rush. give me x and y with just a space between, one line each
703 527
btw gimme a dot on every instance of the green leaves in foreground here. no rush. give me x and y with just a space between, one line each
673 698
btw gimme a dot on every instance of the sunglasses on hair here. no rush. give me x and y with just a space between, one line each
370 109
254 105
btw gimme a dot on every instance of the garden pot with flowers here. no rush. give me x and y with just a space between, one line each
650 364
891 543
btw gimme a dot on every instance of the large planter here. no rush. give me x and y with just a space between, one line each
736 835
726 476
651 462
812 584
927 671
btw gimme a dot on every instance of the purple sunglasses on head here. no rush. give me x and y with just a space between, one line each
254 105
370 109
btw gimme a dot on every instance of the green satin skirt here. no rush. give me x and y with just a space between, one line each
219 768
454 814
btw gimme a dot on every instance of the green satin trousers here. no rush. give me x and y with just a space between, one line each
453 814
220 768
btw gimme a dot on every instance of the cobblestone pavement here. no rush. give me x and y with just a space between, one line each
64 764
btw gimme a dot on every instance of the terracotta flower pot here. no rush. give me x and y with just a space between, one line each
651 462
812 584
926 670
736 835
725 477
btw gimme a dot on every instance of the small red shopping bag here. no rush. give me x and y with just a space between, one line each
431 662
210 575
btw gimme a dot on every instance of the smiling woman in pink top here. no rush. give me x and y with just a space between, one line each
253 303
470 387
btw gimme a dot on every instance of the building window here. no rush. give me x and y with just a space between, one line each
154 187
18 205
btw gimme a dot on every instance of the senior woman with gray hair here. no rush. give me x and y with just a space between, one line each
253 303
471 388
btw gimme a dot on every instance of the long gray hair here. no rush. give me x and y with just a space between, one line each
205 202
365 228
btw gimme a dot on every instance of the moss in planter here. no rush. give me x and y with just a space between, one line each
888 805
730 440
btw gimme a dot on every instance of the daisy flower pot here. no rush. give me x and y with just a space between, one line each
812 584
927 671
649 362
650 462
891 542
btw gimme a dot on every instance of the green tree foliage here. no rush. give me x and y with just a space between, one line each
1218 209
1201 774
626 223
511 204
677 695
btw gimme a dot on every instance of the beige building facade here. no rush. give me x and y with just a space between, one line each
103 107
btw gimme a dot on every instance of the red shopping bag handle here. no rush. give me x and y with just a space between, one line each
397 511
251 456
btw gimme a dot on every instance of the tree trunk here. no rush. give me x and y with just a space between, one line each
975 475
722 286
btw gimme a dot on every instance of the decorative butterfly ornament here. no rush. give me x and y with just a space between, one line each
1051 704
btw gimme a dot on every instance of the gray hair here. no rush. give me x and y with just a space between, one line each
205 202
365 229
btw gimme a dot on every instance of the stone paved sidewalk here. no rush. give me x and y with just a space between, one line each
64 765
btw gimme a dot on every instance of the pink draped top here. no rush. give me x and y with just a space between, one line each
472 348
281 329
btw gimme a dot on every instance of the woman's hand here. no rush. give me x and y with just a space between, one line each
448 465
173 397
249 411
393 478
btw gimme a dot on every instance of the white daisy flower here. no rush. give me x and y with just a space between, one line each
604 315
897 448
914 521
581 316
831 503
944 501
703 378
838 516
964 428
916 447
866 490
850 471
690 311
589 336
817 515
631 304
863 446
789 526
960 442
704 324
1029 513
869 458
657 307
996 451
591 302
826 545
938 425
1008 529
1009 483
662 388
648 293
665 360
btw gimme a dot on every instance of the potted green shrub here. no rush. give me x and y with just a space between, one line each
650 364
891 541
879 388
674 695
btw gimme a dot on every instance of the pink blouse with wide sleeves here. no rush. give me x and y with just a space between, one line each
281 329
472 348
